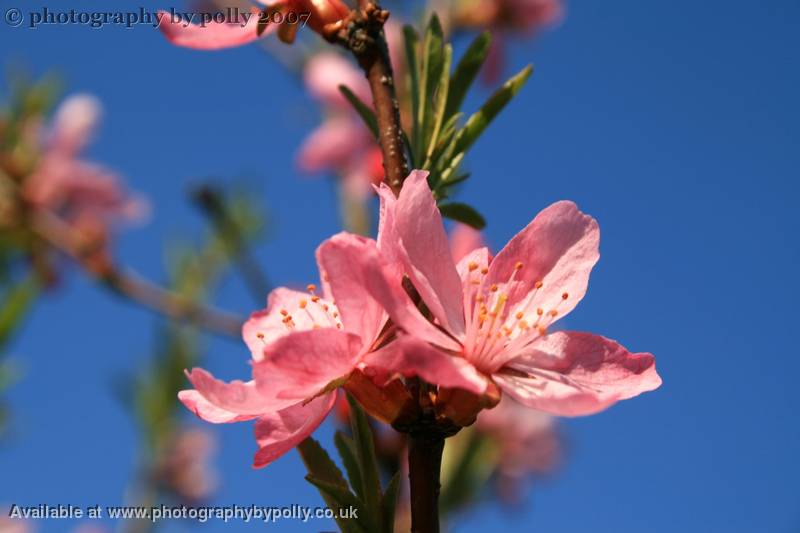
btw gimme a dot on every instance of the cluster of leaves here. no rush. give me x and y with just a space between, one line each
374 506
440 138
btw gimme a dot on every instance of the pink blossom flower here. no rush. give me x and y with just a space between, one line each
497 311
215 35
527 437
304 346
82 193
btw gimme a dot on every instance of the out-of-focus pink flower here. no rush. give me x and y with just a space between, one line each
497 311
519 15
304 347
341 144
82 193
283 16
527 437
503 18
326 71
184 469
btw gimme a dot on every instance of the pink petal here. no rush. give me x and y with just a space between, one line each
266 326
236 396
409 357
463 240
383 281
388 239
206 410
573 374
300 365
212 36
279 432
429 262
346 260
559 248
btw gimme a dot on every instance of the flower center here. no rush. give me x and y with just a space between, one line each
310 312
493 328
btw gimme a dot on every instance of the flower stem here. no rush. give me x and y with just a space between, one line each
424 464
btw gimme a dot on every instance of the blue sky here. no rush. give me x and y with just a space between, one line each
675 124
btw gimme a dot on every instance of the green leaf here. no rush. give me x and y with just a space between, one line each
466 71
439 101
319 464
338 498
365 453
347 451
478 122
411 41
448 182
363 110
464 214
326 476
16 301
431 70
444 178
389 504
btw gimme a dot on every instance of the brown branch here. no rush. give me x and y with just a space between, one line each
362 33
212 202
129 285
424 464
